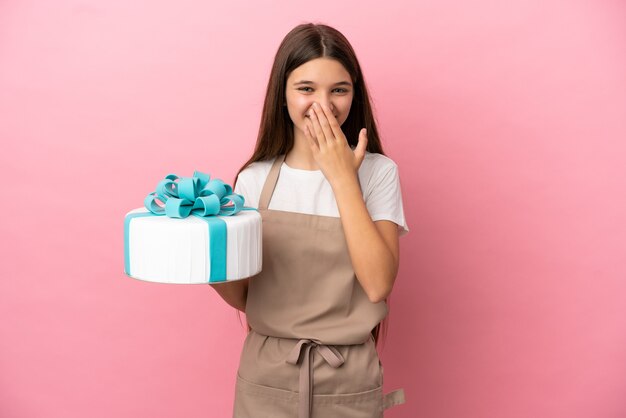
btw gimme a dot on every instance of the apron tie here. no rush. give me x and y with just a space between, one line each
328 352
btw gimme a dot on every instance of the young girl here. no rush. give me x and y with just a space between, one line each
332 212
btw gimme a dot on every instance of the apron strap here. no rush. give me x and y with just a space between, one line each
328 352
270 182
393 398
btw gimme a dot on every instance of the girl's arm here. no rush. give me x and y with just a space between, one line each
373 246
234 293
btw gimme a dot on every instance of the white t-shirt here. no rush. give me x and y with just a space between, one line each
308 191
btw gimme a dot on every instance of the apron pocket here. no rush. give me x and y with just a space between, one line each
367 404
259 401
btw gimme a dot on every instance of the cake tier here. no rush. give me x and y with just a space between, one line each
180 250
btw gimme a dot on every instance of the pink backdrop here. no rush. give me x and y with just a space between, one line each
507 120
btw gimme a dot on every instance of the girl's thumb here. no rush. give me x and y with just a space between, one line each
362 145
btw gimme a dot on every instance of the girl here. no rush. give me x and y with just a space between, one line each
332 212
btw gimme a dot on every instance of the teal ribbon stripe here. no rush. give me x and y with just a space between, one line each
199 196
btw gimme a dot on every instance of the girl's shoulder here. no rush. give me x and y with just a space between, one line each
251 179
375 165
257 168
378 159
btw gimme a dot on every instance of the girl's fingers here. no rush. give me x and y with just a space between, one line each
323 120
317 128
310 138
332 123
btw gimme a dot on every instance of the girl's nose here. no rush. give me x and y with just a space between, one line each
328 105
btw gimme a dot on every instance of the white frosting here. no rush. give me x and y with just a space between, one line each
172 250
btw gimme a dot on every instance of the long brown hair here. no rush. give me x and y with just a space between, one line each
303 43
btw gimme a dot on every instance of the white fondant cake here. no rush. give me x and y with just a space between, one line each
179 250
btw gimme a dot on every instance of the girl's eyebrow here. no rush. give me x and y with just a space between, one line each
341 83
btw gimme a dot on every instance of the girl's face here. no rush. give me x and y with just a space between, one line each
321 80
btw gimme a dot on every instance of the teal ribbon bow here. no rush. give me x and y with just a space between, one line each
198 195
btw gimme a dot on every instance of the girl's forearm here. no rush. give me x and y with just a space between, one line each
372 259
234 293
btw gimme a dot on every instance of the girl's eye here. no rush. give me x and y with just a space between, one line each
341 90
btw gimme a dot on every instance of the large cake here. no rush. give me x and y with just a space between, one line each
202 234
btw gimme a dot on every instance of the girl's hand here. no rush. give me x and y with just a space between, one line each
330 147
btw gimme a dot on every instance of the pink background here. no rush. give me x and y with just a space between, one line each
507 120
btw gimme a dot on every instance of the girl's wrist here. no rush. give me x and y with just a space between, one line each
345 183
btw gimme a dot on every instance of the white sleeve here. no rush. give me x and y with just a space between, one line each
250 182
384 201
242 188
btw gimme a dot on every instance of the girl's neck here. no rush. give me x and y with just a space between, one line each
300 156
